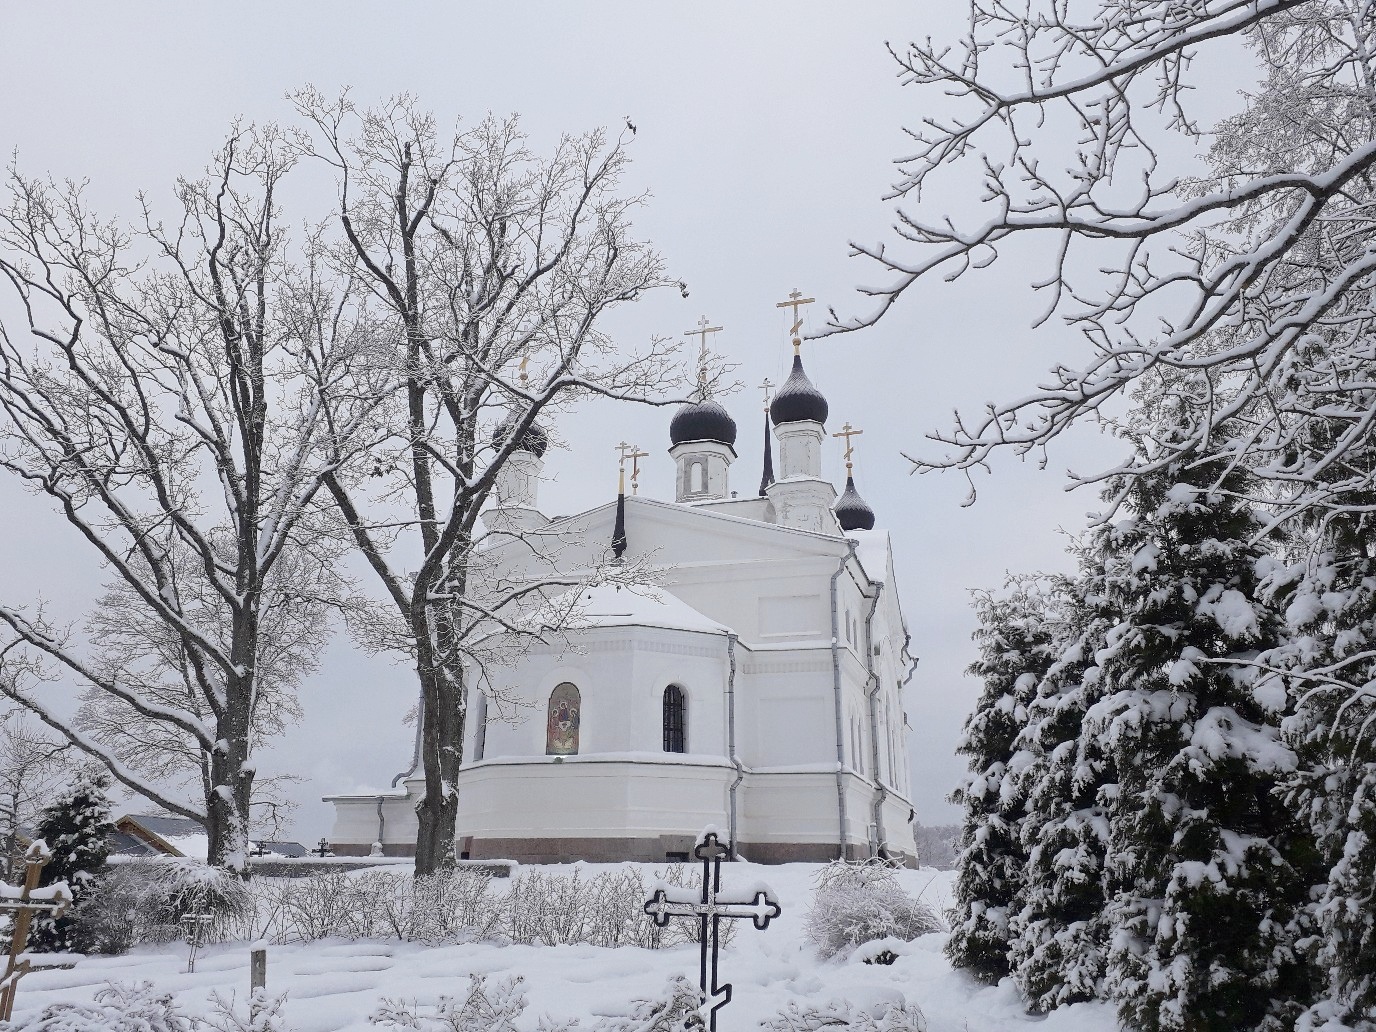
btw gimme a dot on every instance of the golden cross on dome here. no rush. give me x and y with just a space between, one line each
796 301
848 433
702 331
767 387
525 361
625 450
635 455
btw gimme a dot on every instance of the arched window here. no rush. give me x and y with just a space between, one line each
675 735
697 477
561 726
480 732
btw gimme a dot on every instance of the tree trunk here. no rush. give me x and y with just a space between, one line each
441 733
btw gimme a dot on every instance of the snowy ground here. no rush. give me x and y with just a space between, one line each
335 985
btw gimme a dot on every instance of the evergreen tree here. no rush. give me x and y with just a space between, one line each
1059 938
1016 644
74 825
1206 870
1330 605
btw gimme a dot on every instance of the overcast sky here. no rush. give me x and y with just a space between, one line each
766 135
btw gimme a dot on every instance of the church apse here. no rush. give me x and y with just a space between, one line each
561 725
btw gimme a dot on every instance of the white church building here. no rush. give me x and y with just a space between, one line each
758 687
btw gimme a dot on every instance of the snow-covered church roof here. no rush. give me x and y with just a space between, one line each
609 605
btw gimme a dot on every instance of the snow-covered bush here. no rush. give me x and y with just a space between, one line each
860 902
117 1008
184 886
486 1008
896 1016
674 1009
143 901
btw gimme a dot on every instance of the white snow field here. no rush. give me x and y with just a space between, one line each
336 984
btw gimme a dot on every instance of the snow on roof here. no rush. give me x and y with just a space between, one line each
872 550
611 606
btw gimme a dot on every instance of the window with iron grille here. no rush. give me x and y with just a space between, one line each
674 739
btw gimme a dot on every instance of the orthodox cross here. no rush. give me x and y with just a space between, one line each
25 901
709 908
625 450
796 301
525 361
702 331
635 455
848 433
194 927
768 388
322 850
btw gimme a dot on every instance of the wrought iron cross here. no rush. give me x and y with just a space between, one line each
711 906
768 388
25 901
195 927
323 849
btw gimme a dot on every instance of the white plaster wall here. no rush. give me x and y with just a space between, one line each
582 797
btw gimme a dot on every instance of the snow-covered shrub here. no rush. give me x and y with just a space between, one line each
486 1008
143 901
184 886
860 902
263 1013
887 1017
673 1009
117 1008
455 906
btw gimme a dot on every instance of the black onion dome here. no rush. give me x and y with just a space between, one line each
798 399
535 440
852 511
702 421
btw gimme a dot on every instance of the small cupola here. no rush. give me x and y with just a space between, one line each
798 400
703 420
535 440
702 438
518 480
852 511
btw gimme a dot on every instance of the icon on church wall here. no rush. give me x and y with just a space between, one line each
561 727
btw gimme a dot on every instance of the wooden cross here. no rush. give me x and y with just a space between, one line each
848 433
25 901
195 926
767 387
709 908
796 301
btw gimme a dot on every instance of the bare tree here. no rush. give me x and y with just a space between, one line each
493 267
32 767
163 397
1244 291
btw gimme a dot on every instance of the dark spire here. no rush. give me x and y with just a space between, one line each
619 530
767 477
852 511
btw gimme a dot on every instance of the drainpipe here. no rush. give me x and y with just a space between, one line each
415 750
731 738
852 545
880 837
381 822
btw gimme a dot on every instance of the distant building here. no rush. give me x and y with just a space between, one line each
157 835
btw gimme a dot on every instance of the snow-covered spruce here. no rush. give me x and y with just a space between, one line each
74 826
1207 869
1057 933
1016 642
